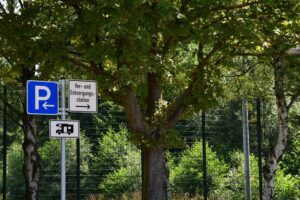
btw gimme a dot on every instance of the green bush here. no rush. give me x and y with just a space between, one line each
118 162
187 176
287 186
50 175
234 183
15 180
125 179
50 156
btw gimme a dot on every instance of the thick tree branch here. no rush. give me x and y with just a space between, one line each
179 106
132 111
154 93
83 65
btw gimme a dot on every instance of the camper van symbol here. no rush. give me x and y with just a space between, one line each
64 129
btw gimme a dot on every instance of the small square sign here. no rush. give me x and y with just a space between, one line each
64 128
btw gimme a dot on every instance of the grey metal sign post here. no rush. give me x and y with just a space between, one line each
63 143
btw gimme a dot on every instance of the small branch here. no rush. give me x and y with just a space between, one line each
8 61
84 65
13 110
239 75
206 59
2 8
227 8
293 99
15 121
21 4
74 52
75 6
175 111
250 54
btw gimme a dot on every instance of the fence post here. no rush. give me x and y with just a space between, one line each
4 141
259 144
78 169
204 168
246 149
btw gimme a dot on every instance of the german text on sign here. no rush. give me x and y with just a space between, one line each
83 96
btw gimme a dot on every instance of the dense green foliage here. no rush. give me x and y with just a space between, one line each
187 176
118 163
115 167
161 61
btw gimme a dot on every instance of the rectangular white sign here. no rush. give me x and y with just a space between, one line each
64 128
83 96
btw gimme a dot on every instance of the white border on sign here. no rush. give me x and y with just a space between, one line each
29 113
75 111
59 120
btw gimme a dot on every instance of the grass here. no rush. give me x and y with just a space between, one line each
137 196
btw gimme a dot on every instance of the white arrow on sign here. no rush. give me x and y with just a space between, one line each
45 105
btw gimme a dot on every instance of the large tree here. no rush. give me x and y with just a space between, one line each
279 32
158 59
22 59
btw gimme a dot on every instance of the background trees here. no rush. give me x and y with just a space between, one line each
159 60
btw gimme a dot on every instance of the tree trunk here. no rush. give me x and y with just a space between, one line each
32 163
281 140
154 175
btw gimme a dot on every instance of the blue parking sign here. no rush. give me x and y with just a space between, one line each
42 98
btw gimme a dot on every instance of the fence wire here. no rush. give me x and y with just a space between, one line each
104 164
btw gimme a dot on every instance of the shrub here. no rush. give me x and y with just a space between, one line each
117 164
187 176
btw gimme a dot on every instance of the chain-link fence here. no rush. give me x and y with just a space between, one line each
105 164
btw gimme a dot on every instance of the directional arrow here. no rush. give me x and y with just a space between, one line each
45 105
87 106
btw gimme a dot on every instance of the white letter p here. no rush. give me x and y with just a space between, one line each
39 98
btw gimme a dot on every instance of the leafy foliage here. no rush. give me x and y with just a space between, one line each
125 179
117 163
189 170
15 182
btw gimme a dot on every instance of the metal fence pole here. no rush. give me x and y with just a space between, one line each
204 168
246 150
259 144
4 141
78 169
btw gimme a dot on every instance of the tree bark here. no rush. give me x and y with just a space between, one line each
154 183
32 163
270 167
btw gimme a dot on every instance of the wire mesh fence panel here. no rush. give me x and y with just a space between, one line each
105 163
